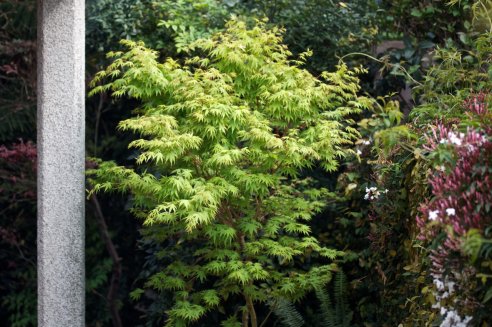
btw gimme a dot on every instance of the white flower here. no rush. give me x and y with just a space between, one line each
450 212
441 168
433 214
450 286
443 141
366 142
453 138
436 305
453 319
359 152
372 193
439 284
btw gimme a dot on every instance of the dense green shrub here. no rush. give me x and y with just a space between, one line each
224 139
328 28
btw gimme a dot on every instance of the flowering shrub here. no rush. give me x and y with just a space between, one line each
461 186
374 220
435 267
461 202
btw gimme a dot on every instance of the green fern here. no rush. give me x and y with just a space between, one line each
287 313
326 309
342 309
329 315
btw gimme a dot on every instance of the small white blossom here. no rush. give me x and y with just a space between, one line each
453 138
372 193
453 319
450 286
433 214
439 284
366 142
450 212
359 152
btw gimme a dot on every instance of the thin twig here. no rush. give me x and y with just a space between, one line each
266 318
405 72
98 120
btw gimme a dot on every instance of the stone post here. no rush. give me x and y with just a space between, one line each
61 152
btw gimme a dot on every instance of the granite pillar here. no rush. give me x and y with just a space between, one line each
61 153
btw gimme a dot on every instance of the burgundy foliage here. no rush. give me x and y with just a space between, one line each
461 197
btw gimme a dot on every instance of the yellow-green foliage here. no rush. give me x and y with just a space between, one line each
223 138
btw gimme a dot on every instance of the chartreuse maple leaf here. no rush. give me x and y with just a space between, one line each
221 140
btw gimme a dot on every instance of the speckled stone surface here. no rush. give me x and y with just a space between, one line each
61 152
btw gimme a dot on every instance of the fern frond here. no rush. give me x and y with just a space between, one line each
342 309
326 311
287 313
